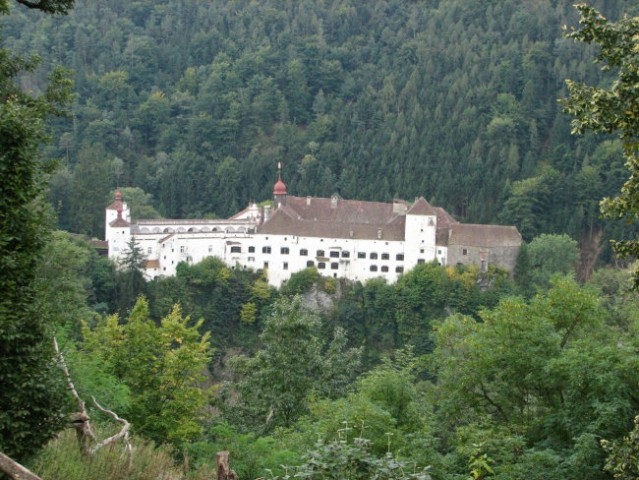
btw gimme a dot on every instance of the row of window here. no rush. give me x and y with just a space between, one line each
320 253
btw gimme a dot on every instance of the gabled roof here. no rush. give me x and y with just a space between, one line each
472 235
421 207
339 210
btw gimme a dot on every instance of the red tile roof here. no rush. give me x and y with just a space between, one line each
421 207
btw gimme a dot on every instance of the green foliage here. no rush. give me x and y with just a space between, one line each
623 454
301 282
550 254
140 202
62 282
130 282
339 459
251 455
548 376
231 301
274 386
612 109
31 393
61 459
348 97
163 367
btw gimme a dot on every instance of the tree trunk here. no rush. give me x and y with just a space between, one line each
224 471
15 470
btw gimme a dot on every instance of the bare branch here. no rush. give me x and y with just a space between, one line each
79 420
15 470
123 433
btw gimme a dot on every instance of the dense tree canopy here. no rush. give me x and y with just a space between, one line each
194 103
30 399
614 109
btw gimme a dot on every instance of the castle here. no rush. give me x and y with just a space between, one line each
352 239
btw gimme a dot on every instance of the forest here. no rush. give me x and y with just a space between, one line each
451 372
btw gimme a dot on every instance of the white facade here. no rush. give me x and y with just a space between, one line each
341 238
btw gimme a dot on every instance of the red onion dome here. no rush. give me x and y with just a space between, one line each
279 188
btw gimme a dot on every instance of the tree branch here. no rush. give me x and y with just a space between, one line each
79 420
49 6
492 402
15 470
123 433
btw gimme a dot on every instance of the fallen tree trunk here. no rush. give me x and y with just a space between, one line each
15 470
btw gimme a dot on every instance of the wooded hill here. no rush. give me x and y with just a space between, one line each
196 102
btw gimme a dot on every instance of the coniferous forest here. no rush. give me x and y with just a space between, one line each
186 107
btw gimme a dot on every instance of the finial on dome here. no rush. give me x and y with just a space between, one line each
118 196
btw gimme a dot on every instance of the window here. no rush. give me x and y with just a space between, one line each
210 248
346 254
373 256
399 269
384 268
320 253
303 252
251 249
149 250
236 249
182 249
265 264
385 256
439 252
284 250
361 254
373 268
420 261
310 263
251 259
334 254
421 250
266 249
321 265
285 266
464 251
399 257
334 266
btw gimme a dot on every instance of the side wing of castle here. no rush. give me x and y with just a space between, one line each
352 239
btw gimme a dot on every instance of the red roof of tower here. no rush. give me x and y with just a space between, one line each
280 187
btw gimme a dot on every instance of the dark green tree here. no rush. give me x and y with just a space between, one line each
31 393
613 109
130 279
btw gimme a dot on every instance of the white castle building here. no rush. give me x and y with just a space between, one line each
352 239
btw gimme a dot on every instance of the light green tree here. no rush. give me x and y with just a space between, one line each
549 254
162 365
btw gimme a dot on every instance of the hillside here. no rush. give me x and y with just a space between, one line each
196 102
